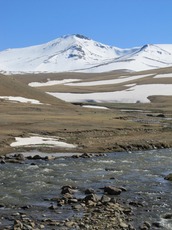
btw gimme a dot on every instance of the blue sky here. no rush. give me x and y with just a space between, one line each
121 23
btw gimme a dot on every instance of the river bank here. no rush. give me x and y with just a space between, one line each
100 141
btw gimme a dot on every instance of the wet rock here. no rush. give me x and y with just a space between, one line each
161 115
156 224
91 197
123 225
136 204
49 158
71 201
70 224
16 214
77 207
67 189
149 115
167 216
61 202
68 196
109 169
37 157
110 190
52 222
86 155
15 161
26 207
105 199
91 203
168 177
123 189
52 199
145 226
112 178
19 157
89 191
75 156
127 210
29 157
2 162
52 207
18 225
67 186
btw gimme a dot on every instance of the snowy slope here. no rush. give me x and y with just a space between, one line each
146 58
78 53
138 93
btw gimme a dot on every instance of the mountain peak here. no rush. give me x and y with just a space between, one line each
146 46
76 36
82 36
77 52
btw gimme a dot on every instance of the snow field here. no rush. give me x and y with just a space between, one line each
138 93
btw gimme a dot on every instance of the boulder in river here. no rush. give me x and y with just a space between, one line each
111 190
67 189
91 197
89 191
167 216
168 177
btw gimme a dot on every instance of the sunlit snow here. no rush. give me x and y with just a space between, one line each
21 99
37 140
94 107
52 82
138 93
108 82
75 53
163 75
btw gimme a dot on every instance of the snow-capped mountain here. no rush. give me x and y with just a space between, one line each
81 54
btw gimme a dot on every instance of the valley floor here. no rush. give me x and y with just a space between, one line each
123 127
60 126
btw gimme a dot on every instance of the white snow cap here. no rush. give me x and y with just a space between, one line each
77 53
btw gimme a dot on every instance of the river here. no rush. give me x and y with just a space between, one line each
141 173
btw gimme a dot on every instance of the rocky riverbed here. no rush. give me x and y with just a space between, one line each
87 191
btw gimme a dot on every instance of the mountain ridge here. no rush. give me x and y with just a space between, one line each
78 53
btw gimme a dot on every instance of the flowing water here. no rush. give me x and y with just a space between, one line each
141 173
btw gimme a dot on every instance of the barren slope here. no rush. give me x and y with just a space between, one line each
120 127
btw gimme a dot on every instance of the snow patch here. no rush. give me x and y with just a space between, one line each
21 99
163 75
40 141
109 82
135 94
53 82
94 107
